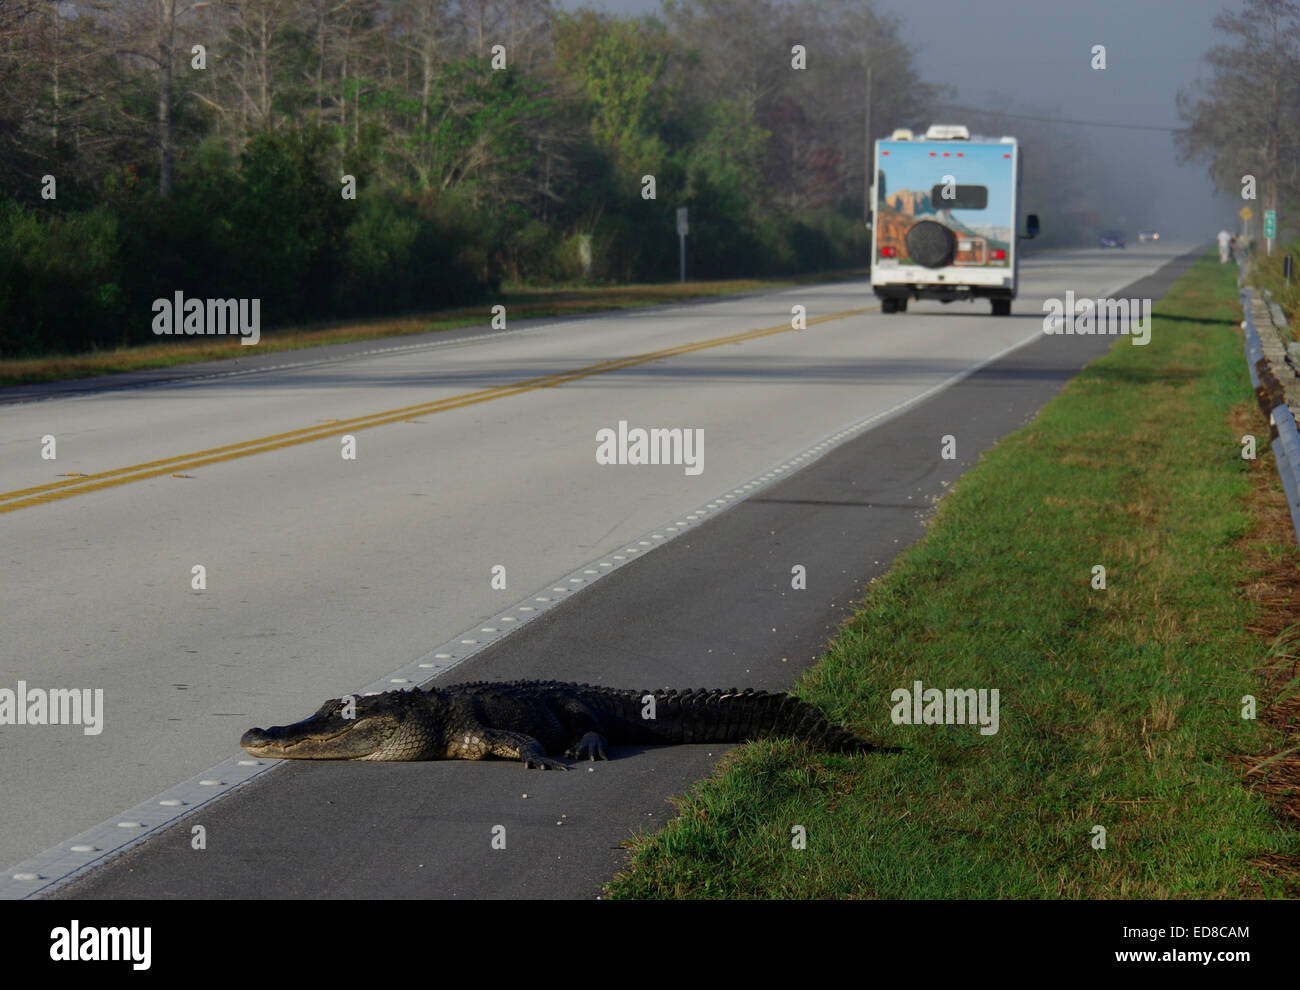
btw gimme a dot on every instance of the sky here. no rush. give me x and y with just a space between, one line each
1036 54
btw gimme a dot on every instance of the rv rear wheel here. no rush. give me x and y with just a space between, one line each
1001 307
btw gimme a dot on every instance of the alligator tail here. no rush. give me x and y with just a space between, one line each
733 715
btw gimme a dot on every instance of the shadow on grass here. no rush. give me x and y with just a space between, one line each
1130 375
1194 319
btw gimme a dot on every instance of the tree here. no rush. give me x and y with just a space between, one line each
1247 118
860 70
152 32
620 70
256 55
24 27
815 117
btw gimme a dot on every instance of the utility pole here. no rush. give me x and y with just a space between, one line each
867 157
683 228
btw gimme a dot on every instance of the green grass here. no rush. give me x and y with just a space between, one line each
1119 707
521 302
1268 274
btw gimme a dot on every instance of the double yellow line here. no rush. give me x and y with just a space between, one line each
41 494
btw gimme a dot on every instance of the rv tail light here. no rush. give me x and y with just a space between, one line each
999 255
889 251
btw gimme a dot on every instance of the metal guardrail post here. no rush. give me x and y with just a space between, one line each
1254 349
1286 451
1286 446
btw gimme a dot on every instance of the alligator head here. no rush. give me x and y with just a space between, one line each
388 726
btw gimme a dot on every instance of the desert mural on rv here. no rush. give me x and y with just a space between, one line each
978 209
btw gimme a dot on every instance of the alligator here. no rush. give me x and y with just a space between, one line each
532 721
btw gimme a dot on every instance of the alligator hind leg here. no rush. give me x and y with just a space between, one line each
583 727
591 746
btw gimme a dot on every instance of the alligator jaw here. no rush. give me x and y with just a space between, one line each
266 743
315 739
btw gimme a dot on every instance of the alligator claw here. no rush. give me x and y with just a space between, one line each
590 747
539 761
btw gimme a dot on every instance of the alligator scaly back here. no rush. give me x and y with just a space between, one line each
733 715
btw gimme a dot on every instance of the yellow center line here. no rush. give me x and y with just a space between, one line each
41 494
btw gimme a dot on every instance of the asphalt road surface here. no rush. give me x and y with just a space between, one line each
474 450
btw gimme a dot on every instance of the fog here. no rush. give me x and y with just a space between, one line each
1034 57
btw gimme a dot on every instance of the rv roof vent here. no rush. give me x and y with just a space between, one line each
947 132
901 134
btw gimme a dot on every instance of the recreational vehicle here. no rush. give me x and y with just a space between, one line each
946 211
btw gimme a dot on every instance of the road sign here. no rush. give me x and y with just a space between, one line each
1270 223
1246 213
682 227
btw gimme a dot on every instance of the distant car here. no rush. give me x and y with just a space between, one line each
1148 235
1112 238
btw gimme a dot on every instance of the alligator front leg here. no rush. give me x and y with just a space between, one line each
518 746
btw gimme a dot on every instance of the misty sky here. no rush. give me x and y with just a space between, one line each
1036 53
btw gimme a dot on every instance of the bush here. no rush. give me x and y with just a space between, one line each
60 281
379 249
288 222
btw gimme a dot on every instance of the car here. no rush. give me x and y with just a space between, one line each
1148 235
1112 238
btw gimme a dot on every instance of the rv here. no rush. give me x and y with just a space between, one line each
944 221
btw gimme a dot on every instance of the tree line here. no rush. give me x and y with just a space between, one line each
150 146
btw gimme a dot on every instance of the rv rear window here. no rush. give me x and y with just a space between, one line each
962 198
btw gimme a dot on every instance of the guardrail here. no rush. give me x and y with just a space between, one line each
1266 363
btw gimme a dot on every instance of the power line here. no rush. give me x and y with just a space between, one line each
1062 120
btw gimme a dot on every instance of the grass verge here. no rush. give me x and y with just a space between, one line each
1268 274
521 303
1119 707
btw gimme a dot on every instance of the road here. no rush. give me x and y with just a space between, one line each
473 451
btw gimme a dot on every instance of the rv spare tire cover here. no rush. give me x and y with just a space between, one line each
930 244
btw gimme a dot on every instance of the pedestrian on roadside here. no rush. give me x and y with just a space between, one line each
1225 239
